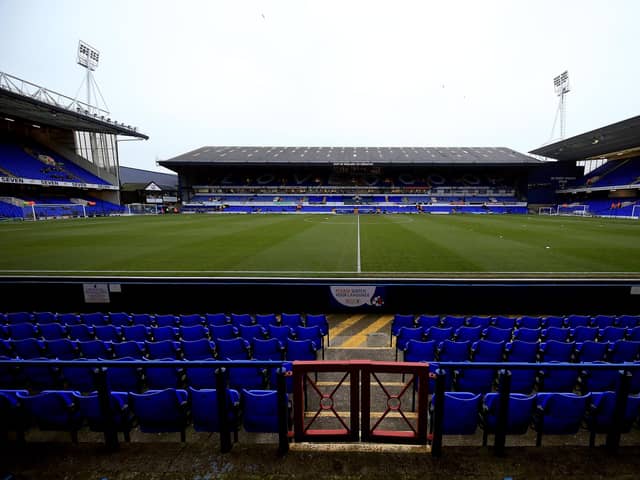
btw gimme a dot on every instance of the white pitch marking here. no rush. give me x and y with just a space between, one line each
359 265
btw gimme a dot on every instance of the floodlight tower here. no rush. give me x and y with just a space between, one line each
88 57
561 85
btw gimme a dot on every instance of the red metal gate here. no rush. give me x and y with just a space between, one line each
315 406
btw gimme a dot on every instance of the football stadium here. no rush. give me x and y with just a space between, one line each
359 311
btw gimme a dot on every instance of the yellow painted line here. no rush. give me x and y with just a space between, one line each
361 337
352 320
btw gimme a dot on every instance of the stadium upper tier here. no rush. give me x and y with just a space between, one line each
617 173
38 163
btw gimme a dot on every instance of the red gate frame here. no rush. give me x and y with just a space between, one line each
359 373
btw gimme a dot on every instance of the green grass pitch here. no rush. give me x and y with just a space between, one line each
323 246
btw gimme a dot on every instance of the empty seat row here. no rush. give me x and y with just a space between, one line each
141 333
223 349
501 321
496 334
155 411
121 319
549 413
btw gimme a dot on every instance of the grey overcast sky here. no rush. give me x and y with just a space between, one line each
334 73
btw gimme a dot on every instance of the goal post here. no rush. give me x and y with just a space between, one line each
574 210
635 211
42 211
547 211
142 209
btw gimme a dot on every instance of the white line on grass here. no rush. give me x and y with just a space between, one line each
359 264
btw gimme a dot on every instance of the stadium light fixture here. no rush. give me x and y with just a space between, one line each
88 57
561 86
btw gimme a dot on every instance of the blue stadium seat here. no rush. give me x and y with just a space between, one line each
559 414
266 319
282 333
634 334
159 378
204 410
43 318
557 379
592 380
574 321
13 318
556 334
260 410
107 333
95 349
438 334
603 321
89 407
238 319
191 320
124 379
453 321
527 334
234 349
612 334
267 349
163 349
427 321
129 349
520 414
194 332
198 349
301 350
46 377
68 318
136 333
144 319
583 334
405 334
212 319
310 333
223 332
161 411
201 377
249 332
80 332
20 331
628 321
94 319
530 322
28 348
555 351
522 381
247 377
164 333
79 378
52 331
479 321
320 321
506 323
291 320
600 415
63 349
468 334
460 413
553 321
450 351
166 320
119 319
419 351
486 351
53 410
623 351
590 351
497 334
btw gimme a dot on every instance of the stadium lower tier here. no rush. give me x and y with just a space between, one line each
360 209
56 207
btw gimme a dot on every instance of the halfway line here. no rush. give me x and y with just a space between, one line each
358 269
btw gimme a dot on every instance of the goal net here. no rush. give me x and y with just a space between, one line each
635 211
574 210
142 209
43 211
547 211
